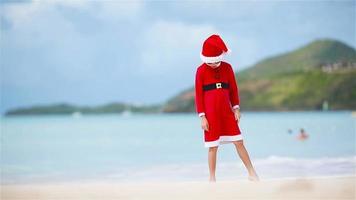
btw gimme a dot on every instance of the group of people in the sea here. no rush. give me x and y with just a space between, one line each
302 135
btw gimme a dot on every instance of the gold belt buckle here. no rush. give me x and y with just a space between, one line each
218 85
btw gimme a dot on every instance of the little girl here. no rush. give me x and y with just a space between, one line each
217 103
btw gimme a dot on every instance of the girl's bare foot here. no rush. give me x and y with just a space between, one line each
212 180
253 177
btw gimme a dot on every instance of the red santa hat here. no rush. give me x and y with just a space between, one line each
213 49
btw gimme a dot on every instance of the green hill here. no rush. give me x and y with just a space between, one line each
64 108
322 71
304 79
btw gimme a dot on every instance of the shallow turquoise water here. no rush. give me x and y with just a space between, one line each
135 147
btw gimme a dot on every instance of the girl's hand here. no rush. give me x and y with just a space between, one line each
204 123
237 115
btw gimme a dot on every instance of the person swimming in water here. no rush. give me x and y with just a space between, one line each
302 135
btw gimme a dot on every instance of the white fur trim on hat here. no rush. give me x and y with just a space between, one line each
214 59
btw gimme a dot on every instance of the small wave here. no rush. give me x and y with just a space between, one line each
310 161
272 167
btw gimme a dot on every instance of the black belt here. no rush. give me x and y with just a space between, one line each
213 86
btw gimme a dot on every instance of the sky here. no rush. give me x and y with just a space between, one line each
145 52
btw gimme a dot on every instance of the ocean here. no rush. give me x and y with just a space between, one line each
170 147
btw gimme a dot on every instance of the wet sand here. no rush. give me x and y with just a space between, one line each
307 188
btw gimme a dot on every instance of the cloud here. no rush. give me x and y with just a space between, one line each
54 37
169 46
245 50
175 46
96 48
56 50
117 10
22 13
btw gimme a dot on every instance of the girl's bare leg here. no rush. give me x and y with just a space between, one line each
212 162
241 150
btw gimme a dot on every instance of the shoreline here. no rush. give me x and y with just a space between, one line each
298 188
4 115
270 168
145 181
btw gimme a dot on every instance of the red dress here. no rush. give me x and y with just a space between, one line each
217 104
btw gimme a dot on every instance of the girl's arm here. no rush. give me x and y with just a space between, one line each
234 91
199 100
234 95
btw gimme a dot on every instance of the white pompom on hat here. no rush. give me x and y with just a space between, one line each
213 49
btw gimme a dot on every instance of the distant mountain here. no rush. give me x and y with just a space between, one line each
64 108
322 72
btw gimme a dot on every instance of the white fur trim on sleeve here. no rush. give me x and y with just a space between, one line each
201 114
236 107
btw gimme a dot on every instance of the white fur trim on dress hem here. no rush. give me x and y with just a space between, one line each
223 140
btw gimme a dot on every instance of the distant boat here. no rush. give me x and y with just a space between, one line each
325 105
126 113
76 114
353 114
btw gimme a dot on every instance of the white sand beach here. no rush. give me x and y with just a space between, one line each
306 188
